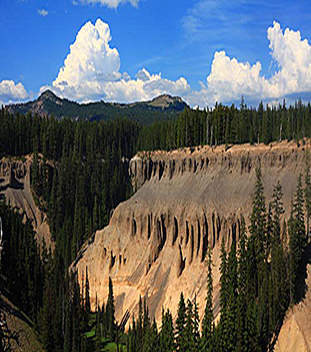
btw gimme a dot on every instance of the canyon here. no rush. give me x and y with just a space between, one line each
185 200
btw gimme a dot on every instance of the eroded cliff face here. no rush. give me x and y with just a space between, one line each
15 186
156 242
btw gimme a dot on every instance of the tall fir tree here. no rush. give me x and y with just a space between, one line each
307 193
207 340
110 311
180 334
189 329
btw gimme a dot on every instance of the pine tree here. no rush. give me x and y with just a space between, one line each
207 343
231 313
148 332
196 325
166 336
278 264
35 173
242 290
258 232
110 311
97 328
307 192
190 342
87 303
297 241
223 296
140 324
180 325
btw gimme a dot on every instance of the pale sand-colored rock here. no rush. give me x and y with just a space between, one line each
155 243
295 334
15 186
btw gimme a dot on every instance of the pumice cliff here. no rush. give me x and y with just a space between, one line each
186 200
15 187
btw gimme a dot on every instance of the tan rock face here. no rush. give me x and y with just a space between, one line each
156 242
15 186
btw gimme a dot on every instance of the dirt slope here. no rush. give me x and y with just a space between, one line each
19 324
156 241
295 334
15 186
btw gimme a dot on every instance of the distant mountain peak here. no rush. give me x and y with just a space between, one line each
48 103
48 94
165 100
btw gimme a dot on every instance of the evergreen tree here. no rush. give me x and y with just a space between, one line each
224 294
189 329
87 293
258 233
231 314
297 241
278 264
180 334
207 343
110 311
196 325
242 343
166 336
35 179
307 193
139 325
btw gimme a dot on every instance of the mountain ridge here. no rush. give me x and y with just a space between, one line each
48 103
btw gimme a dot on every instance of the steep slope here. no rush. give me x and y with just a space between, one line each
15 187
156 241
48 103
19 325
295 334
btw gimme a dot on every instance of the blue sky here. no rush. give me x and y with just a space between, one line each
176 38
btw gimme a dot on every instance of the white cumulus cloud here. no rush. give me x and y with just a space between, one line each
293 57
43 12
110 3
92 71
12 92
230 78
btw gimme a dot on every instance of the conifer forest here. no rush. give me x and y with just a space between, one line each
79 175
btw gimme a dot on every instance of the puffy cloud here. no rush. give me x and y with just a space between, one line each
229 78
293 57
43 12
90 63
11 92
92 71
145 87
110 3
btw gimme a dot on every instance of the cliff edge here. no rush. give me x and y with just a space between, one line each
186 200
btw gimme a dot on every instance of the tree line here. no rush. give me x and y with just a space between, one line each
228 125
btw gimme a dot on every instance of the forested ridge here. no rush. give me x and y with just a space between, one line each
48 104
79 174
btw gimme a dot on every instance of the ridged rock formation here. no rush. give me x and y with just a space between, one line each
15 187
187 200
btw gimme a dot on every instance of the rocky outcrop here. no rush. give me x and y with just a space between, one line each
186 200
15 187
